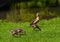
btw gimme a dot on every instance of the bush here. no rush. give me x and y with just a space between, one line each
45 14
26 16
52 2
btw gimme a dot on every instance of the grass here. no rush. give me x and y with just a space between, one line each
50 31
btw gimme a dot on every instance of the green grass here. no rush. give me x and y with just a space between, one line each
50 31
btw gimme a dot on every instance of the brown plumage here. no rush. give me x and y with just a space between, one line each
16 31
35 21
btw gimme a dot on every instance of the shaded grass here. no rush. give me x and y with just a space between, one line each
50 31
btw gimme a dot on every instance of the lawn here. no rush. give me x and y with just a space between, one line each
50 31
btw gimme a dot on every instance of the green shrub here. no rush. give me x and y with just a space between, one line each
30 4
22 5
59 2
45 14
52 3
26 16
